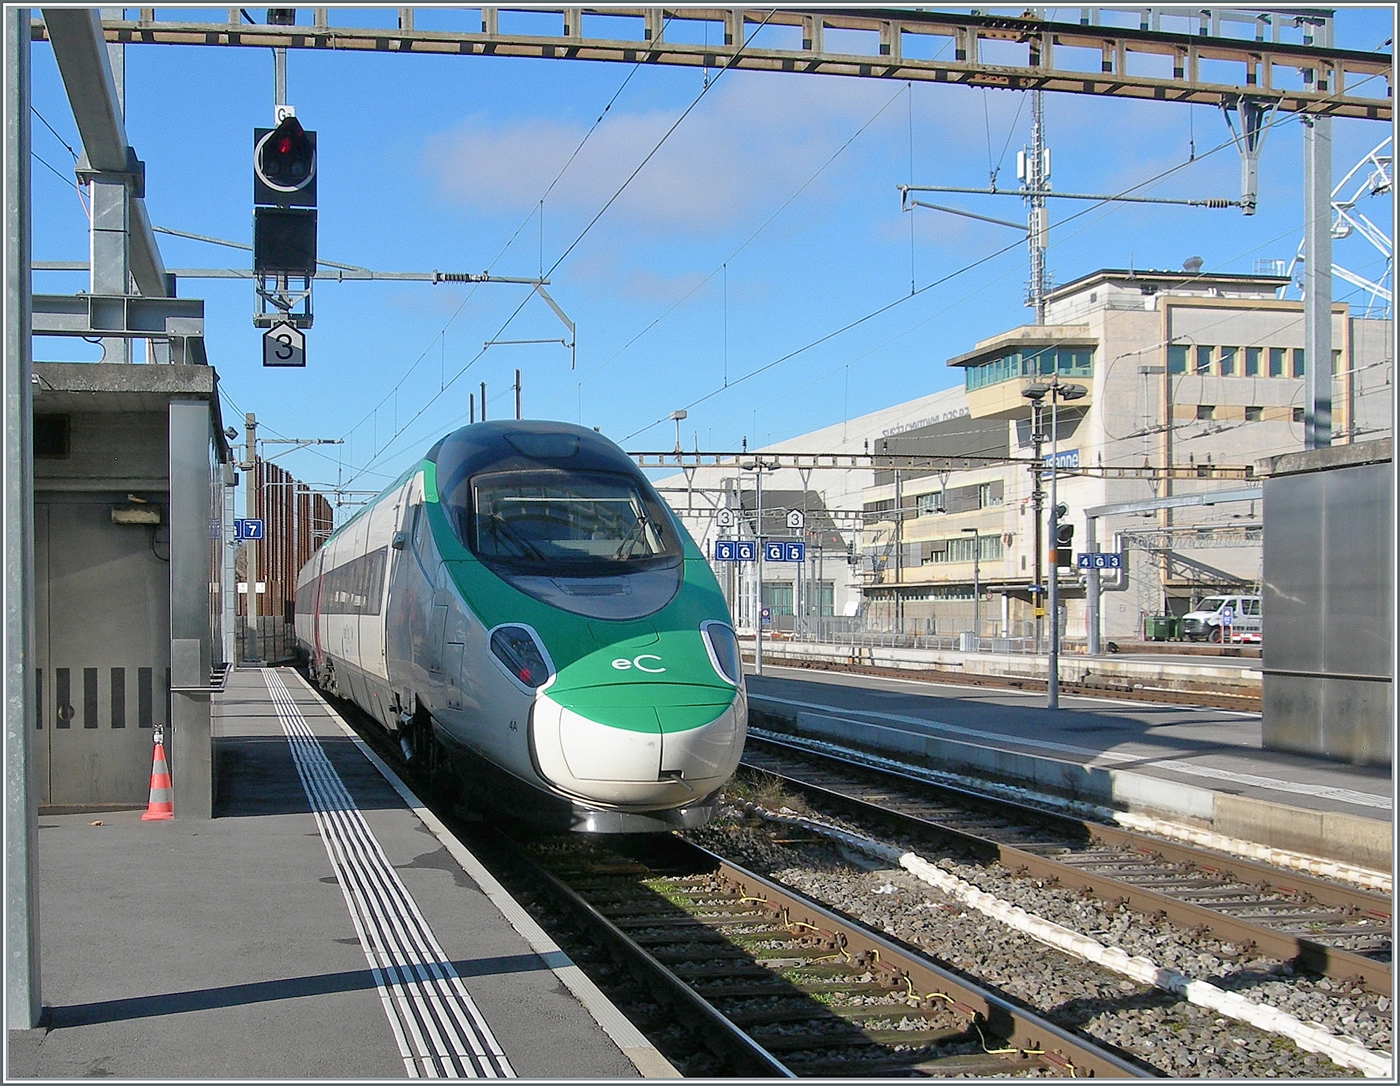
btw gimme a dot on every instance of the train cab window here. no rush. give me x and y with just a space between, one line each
416 529
578 521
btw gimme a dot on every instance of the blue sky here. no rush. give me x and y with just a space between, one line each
767 221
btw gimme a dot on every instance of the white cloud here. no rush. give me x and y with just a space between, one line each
743 150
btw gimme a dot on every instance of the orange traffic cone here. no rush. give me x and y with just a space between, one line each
160 805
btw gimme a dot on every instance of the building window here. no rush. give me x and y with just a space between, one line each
930 503
1205 412
1251 361
1227 361
1253 414
1297 414
1203 359
1276 361
777 597
1176 358
1046 362
988 495
1297 361
961 549
1336 363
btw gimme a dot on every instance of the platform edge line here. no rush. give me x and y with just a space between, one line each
631 1042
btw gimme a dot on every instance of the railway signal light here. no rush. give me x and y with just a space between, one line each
284 165
284 195
1064 544
284 241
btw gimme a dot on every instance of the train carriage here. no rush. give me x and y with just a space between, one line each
525 613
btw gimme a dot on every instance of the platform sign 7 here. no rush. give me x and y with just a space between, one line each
247 528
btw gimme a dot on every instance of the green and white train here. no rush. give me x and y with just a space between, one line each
528 616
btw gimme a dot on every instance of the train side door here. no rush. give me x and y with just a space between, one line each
437 623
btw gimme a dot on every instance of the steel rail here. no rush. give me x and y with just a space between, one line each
1021 1028
667 987
1329 961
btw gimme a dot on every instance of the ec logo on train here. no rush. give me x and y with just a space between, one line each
623 664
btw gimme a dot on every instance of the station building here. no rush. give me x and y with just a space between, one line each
1189 381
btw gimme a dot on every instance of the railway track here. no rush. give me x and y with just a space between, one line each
1334 930
733 975
1203 696
781 987
982 1004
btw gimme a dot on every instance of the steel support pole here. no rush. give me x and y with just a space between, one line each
1093 587
109 255
976 587
1038 501
279 77
22 1006
1052 682
228 592
758 611
1317 282
253 653
1037 226
898 551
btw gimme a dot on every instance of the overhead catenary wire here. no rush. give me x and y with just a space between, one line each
1099 205
539 208
584 233
901 300
724 265
723 268
1092 208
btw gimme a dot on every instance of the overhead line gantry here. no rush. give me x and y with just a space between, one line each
1338 83
807 461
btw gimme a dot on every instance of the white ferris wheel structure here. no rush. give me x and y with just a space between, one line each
1367 184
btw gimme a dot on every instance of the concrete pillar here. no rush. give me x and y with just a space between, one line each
191 564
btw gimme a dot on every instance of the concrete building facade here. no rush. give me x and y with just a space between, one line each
1189 381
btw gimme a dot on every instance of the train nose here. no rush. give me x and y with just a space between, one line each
680 746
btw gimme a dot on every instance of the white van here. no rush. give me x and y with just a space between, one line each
1225 618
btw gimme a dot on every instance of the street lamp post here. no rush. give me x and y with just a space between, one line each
976 585
1057 391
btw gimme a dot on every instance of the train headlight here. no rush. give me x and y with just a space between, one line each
521 654
723 648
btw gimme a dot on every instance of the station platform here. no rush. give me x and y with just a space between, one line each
1201 767
319 926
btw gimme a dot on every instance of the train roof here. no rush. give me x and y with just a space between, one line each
511 445
523 444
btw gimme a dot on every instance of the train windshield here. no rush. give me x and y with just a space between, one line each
568 522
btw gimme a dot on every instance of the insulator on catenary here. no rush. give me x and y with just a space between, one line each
1216 201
